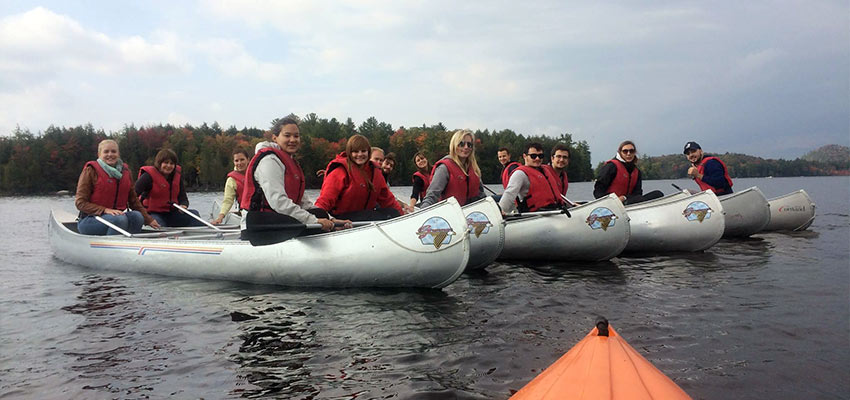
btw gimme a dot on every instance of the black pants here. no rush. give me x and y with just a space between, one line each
655 194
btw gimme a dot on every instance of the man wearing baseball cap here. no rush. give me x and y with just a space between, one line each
708 172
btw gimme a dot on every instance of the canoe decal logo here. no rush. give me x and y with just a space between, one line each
478 223
792 208
435 231
601 218
697 211
142 249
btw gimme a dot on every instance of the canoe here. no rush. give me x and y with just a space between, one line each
676 223
231 218
486 230
791 212
597 230
601 366
429 249
747 212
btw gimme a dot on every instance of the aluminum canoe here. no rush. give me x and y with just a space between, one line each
597 230
429 248
794 211
676 223
486 230
747 212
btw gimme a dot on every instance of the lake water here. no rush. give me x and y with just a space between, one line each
764 318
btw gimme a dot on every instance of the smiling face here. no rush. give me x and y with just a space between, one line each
240 162
360 157
108 152
464 147
694 155
377 157
387 166
533 157
166 167
504 157
289 138
421 162
628 152
561 159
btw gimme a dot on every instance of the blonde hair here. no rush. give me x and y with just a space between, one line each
103 144
457 137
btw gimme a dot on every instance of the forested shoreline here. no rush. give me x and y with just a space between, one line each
52 160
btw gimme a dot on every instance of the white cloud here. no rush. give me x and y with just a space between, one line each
230 57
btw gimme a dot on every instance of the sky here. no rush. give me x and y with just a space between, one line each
770 79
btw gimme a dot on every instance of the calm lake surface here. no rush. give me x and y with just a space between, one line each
763 318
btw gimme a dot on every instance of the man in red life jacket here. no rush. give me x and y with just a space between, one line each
508 166
532 187
559 163
708 172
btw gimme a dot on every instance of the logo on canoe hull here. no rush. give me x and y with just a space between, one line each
792 209
478 223
697 211
435 231
601 218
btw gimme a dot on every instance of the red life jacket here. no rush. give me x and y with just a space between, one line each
563 181
162 192
460 186
427 180
108 191
701 170
355 195
506 173
624 182
253 198
543 188
239 177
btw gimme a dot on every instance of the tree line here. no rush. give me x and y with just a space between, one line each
52 160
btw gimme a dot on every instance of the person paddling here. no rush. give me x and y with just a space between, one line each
421 178
235 184
621 176
709 172
532 187
105 189
354 188
160 186
274 183
457 174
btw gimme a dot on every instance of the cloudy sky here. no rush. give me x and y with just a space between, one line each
765 78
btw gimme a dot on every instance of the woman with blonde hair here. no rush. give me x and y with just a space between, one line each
354 187
457 174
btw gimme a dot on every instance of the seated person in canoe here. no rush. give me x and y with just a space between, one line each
508 166
160 187
235 184
354 187
532 186
274 183
105 189
457 174
558 163
377 156
387 166
421 178
621 176
709 172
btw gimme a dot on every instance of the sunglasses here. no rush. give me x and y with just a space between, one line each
628 151
535 156
467 144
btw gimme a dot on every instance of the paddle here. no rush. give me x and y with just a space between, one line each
113 226
265 228
191 214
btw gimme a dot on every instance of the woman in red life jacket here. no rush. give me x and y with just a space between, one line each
235 183
105 189
354 188
159 186
274 184
457 174
621 176
421 178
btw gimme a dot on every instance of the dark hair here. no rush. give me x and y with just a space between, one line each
533 145
626 142
390 156
241 150
427 168
504 149
163 156
560 147
280 123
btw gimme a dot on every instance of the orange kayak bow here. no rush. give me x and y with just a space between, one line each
601 366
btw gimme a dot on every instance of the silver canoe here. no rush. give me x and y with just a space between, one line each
429 248
597 230
486 232
792 212
747 212
677 222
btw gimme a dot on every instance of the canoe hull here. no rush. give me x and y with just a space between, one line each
486 230
747 212
676 224
792 212
396 253
598 230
